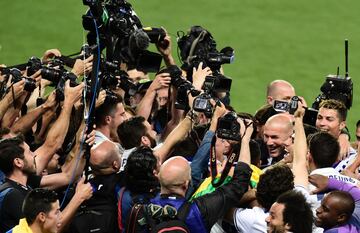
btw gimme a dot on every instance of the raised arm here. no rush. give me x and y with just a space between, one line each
176 135
72 169
58 131
8 100
25 123
161 80
83 192
246 132
164 47
300 149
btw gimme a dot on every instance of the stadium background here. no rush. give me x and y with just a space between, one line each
300 41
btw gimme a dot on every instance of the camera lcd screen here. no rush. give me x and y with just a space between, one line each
201 103
280 106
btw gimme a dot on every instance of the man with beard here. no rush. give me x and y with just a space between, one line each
278 132
136 132
18 163
290 213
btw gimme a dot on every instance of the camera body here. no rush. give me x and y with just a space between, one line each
30 84
155 34
228 127
202 104
60 87
182 85
338 88
284 106
47 72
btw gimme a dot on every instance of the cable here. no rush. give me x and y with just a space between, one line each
88 118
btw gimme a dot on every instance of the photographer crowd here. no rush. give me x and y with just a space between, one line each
89 143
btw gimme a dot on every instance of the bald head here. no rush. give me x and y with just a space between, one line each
279 90
343 202
105 158
283 121
278 132
174 176
336 209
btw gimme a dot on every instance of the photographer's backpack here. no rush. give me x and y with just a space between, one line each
155 218
5 188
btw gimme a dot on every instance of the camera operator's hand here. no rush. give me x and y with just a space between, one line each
164 47
18 89
219 111
51 102
82 67
51 53
304 104
300 112
100 99
83 191
72 94
36 77
90 138
199 75
161 80
246 128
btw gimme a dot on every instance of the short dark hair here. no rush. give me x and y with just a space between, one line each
36 201
297 212
263 114
131 131
139 171
108 108
324 149
358 124
10 149
336 105
275 181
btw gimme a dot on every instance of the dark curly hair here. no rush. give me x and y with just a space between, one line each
273 183
139 171
297 212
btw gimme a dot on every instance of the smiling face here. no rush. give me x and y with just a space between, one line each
329 214
328 120
275 221
277 137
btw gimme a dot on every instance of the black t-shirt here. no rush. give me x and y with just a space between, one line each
11 209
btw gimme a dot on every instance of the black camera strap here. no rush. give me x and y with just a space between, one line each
234 156
13 95
39 101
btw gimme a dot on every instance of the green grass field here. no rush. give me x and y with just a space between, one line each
300 41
